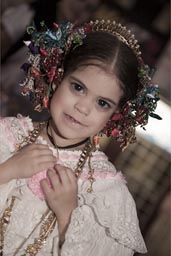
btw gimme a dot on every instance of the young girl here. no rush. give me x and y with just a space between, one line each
59 193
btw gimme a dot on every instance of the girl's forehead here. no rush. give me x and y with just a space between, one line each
98 81
94 71
103 66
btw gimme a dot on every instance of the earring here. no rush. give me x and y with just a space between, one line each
96 140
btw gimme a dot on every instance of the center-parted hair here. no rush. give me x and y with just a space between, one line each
112 55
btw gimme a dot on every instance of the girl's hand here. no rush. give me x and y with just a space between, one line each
61 196
28 161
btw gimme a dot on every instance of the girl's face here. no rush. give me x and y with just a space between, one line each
84 102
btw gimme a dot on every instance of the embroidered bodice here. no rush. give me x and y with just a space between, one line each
104 223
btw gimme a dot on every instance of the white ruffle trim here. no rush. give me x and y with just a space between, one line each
113 210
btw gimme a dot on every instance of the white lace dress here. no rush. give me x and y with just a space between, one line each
104 223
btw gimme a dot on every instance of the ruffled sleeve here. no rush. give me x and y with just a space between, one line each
105 223
12 130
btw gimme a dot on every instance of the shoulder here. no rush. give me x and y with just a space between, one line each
18 122
105 173
13 129
110 188
100 162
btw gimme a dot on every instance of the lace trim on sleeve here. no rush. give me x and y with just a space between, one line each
13 129
115 211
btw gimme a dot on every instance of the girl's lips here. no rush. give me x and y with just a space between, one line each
70 118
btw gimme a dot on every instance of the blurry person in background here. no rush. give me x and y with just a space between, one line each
77 10
15 16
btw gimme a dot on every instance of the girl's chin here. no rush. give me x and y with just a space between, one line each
73 132
71 135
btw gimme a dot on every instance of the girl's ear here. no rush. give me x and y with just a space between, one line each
116 111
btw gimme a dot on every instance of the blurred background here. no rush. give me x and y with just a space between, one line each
146 164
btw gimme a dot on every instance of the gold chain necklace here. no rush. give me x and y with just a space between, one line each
48 222
4 221
31 137
48 225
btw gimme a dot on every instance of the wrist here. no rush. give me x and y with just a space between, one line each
65 217
62 228
4 174
63 222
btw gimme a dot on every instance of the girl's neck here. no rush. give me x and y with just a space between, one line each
57 141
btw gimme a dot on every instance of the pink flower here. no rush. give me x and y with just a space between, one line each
114 132
44 52
34 184
51 74
117 116
45 101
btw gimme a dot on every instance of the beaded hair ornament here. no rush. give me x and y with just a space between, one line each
47 52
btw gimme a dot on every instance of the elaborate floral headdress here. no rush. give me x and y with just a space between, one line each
47 51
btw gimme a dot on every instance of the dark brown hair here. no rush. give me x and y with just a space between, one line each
114 56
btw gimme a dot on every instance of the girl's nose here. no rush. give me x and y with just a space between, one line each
83 106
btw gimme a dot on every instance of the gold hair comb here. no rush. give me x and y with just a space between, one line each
121 32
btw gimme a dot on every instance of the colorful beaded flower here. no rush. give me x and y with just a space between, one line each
135 112
47 51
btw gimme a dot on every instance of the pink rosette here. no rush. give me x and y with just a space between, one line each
34 183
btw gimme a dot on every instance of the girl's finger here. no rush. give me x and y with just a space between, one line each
46 158
63 175
45 165
45 187
40 149
71 175
37 146
54 179
44 151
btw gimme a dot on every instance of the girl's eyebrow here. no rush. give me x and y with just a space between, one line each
103 98
110 100
77 80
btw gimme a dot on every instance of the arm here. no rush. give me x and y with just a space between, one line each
61 195
4 174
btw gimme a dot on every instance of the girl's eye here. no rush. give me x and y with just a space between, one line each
77 87
103 104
